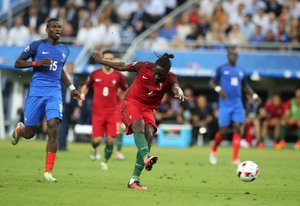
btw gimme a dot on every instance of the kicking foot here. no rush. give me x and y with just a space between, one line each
48 177
119 156
103 166
14 138
213 158
235 162
135 184
149 162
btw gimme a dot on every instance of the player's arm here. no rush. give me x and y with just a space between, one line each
23 63
178 93
65 80
119 66
249 91
214 84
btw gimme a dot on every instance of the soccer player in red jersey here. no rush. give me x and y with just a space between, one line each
153 80
106 83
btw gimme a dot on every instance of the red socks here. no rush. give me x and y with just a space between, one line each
50 159
236 145
217 141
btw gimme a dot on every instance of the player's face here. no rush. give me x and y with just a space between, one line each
54 29
232 57
108 57
159 74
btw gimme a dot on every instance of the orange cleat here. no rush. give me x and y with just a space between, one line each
149 162
297 145
136 185
260 144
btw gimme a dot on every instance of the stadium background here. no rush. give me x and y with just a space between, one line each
197 32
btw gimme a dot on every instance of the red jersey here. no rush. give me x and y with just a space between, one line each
105 89
144 90
275 111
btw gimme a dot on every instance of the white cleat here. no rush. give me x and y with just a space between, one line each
213 158
94 154
103 166
14 138
119 156
48 177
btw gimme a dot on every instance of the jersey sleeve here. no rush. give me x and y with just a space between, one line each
123 82
217 76
172 78
30 51
135 66
90 80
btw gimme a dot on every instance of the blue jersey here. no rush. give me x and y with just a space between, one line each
46 80
231 79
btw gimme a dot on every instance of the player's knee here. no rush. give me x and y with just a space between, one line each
110 141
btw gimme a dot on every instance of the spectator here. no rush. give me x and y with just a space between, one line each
19 34
156 43
84 33
219 15
273 113
247 27
293 28
183 26
168 31
125 10
273 6
33 18
258 36
216 36
207 7
53 9
154 10
164 112
292 116
92 12
3 34
261 17
70 109
170 5
284 16
272 25
202 117
235 36
282 35
137 18
294 5
270 37
184 112
236 16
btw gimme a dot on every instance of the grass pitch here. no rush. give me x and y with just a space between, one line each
181 177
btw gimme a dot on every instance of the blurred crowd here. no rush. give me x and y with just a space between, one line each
209 24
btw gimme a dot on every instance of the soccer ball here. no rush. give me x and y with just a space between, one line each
247 171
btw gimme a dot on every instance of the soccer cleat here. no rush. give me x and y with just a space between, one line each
213 158
48 177
149 162
136 185
260 144
297 145
119 156
14 136
235 162
103 166
280 144
94 154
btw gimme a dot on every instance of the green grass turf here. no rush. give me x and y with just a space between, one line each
181 177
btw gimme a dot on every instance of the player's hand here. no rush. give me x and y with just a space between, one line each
80 102
181 97
43 62
76 94
222 94
96 55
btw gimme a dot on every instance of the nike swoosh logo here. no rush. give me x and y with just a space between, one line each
144 77
43 52
98 80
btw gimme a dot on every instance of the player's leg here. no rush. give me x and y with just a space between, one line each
119 142
238 117
53 112
224 121
97 135
33 113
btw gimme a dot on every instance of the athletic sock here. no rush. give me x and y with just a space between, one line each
138 167
282 132
94 144
50 160
236 145
118 142
108 151
217 141
298 134
141 144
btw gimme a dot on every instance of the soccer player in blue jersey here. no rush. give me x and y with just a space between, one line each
228 82
48 57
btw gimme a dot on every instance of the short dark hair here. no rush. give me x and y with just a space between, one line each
51 20
164 61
